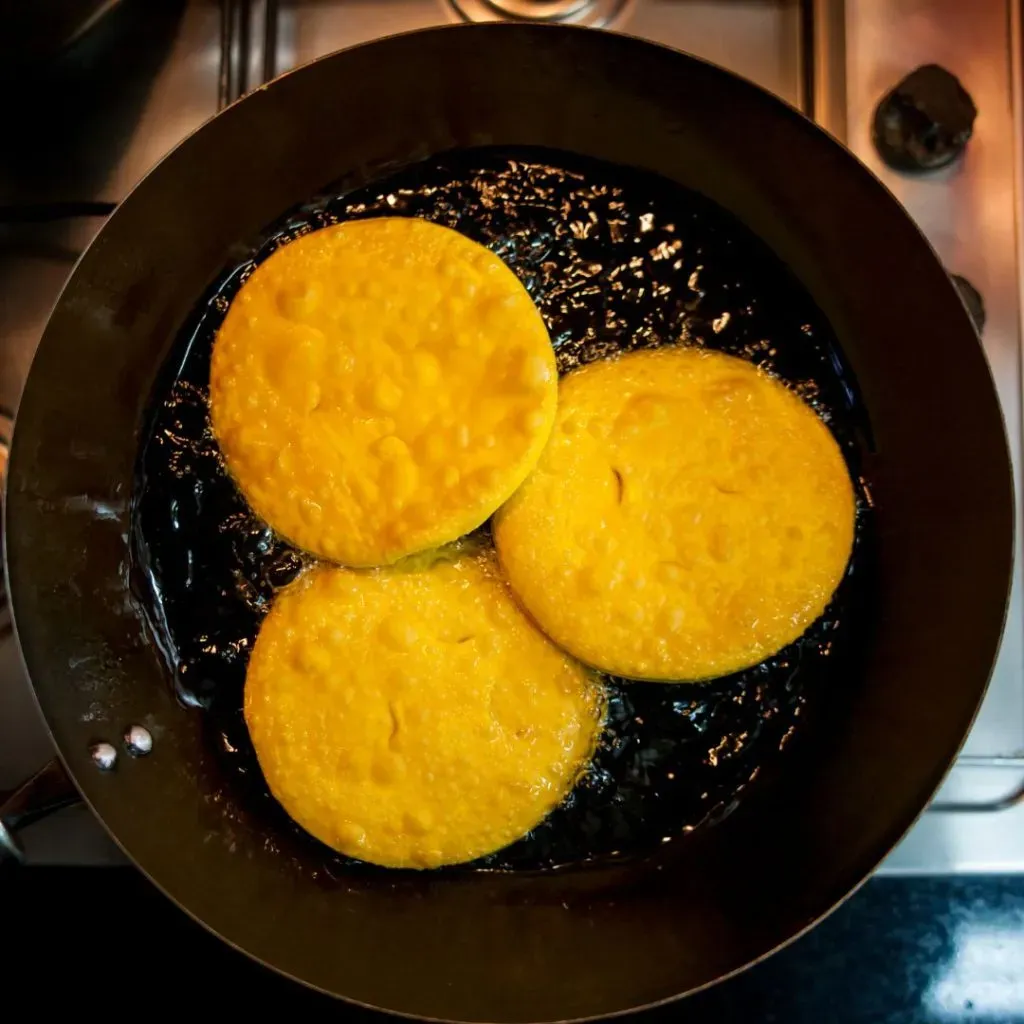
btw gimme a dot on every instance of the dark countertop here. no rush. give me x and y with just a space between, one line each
901 951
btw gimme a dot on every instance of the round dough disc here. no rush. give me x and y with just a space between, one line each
689 517
415 717
380 387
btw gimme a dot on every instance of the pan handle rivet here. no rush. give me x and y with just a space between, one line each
104 756
138 740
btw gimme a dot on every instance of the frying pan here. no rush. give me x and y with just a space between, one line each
562 944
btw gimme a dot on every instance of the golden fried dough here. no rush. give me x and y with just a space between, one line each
689 517
416 717
380 387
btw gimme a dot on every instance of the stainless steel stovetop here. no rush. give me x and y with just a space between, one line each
90 130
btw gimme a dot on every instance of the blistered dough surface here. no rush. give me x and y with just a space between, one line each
380 387
689 517
415 717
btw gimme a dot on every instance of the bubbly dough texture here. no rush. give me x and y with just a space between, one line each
380 387
416 717
689 517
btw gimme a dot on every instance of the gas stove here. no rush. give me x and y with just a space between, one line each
82 133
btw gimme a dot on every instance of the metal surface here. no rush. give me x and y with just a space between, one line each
152 78
138 741
969 212
935 453
104 756
46 792
248 47
762 41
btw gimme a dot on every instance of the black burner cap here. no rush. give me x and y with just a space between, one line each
924 123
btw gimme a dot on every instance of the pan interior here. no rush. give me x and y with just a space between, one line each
616 260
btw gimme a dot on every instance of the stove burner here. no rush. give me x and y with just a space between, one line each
595 13
925 121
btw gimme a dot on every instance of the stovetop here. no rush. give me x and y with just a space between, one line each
87 129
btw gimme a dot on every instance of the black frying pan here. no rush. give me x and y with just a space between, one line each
578 942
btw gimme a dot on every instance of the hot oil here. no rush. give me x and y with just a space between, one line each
615 260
